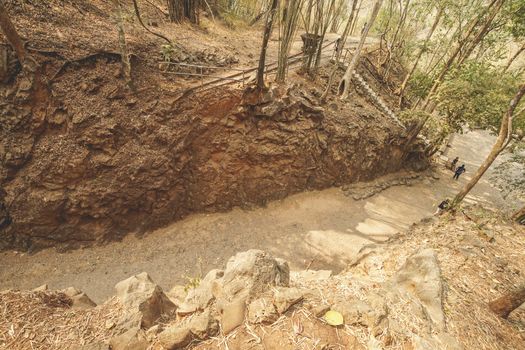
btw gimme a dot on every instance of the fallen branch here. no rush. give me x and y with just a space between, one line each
137 12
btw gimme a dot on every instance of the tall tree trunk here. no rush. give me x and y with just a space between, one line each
176 10
344 85
307 20
325 25
289 24
266 37
354 24
419 54
181 9
504 305
9 30
340 49
505 133
520 50
456 53
480 35
403 11
126 64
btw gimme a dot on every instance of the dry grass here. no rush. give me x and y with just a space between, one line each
475 269
44 320
480 256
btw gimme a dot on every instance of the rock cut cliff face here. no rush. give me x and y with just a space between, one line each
84 160
100 166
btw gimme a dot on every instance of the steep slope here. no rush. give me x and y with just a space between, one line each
86 160
426 289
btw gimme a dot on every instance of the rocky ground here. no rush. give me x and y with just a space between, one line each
426 289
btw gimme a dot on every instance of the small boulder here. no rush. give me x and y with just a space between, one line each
262 310
71 291
152 332
199 298
203 325
284 298
175 337
143 300
420 277
82 301
42 288
133 339
250 273
231 314
177 294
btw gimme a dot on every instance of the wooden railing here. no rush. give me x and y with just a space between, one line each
241 76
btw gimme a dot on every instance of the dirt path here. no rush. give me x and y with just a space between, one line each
321 229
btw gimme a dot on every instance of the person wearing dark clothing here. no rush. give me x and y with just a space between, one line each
454 162
442 206
5 219
460 170
338 45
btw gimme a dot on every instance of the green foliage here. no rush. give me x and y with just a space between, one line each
477 94
167 52
191 283
419 85
515 12
232 20
435 129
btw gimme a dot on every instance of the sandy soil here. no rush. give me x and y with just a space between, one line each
320 230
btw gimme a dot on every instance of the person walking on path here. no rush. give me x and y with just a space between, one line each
459 171
453 165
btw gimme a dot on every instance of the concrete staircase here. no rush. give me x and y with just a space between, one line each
375 97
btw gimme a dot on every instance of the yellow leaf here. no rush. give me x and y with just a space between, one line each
333 318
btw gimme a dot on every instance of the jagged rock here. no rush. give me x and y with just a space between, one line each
200 297
175 337
420 277
133 339
42 288
82 301
177 295
153 331
71 291
143 300
262 310
284 298
79 299
231 314
249 274
203 325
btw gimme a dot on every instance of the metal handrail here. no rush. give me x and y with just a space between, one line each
241 72
200 66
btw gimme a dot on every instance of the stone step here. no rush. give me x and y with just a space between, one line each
362 83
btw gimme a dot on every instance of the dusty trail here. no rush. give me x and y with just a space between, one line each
320 230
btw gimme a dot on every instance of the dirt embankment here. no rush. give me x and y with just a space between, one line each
85 160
